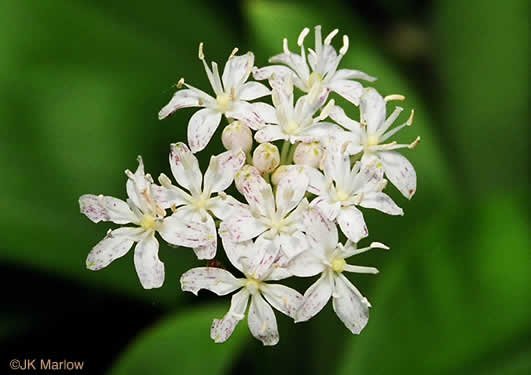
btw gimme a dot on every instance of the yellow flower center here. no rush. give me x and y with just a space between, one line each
338 264
224 102
252 285
315 78
148 222
372 140
292 127
342 196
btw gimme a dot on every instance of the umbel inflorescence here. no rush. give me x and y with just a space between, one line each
297 201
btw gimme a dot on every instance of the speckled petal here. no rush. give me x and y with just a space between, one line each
217 280
262 321
372 108
227 206
400 172
284 299
201 127
101 208
350 90
381 202
350 306
237 71
222 329
328 209
115 245
241 228
315 298
181 99
222 170
270 133
184 233
352 224
149 268
257 192
269 71
185 167
291 189
208 250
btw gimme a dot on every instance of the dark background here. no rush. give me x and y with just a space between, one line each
81 83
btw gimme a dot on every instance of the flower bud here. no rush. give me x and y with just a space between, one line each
266 157
237 135
309 154
279 173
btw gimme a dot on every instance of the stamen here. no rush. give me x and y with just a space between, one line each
234 52
180 83
302 35
410 119
331 36
233 93
326 110
173 208
201 54
222 195
344 49
165 181
285 46
379 245
312 52
318 41
414 143
389 98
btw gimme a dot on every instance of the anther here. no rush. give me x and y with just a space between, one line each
389 98
285 46
180 83
330 36
344 49
201 54
234 52
410 119
302 35
414 143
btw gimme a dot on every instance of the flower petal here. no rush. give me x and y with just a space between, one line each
317 180
338 115
284 299
185 167
101 208
222 329
306 264
238 252
170 196
352 224
350 306
149 268
257 192
237 71
217 280
291 189
181 99
270 133
184 233
208 250
328 209
320 231
249 113
350 90
241 228
201 127
226 207
115 245
295 62
353 74
262 321
372 109
268 72
315 298
253 90
381 202
400 172
292 244
222 170
266 112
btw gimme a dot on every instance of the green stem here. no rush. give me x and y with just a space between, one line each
267 178
284 153
249 158
291 153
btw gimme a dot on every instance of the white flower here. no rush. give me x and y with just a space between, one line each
323 63
232 96
261 318
277 219
198 204
368 136
327 257
296 122
143 210
341 189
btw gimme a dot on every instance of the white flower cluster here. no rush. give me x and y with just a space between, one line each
330 167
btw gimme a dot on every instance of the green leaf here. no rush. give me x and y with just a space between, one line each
79 102
181 344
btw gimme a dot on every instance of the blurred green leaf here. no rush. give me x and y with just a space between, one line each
484 64
80 88
181 344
